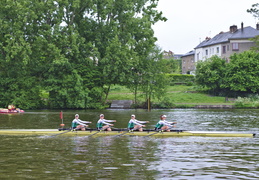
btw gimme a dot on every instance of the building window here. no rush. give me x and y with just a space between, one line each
217 49
206 52
223 49
235 46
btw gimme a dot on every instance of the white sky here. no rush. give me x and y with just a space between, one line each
191 21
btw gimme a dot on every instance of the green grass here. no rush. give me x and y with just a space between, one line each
178 94
185 97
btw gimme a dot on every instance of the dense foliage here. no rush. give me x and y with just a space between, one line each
67 53
254 10
238 77
186 79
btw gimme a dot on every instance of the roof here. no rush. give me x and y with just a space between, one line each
189 53
246 33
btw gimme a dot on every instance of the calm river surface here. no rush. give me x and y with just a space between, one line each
126 157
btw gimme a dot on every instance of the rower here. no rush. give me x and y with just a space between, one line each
164 125
79 124
102 121
135 124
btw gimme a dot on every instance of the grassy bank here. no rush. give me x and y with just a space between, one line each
179 96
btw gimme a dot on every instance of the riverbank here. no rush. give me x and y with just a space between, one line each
179 96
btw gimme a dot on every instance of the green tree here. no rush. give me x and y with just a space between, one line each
17 86
173 66
121 32
71 49
153 78
210 74
255 12
242 73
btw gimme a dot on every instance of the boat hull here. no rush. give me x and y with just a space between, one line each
175 133
6 111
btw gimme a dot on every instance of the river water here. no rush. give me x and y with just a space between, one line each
127 157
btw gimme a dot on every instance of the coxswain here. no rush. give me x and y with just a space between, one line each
79 124
135 124
164 125
103 124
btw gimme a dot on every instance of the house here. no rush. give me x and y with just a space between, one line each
225 44
169 54
188 63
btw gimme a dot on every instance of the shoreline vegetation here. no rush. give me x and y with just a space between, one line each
183 96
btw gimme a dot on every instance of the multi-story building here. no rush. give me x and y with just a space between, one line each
188 64
225 44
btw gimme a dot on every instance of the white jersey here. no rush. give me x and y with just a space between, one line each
133 122
77 122
100 122
162 123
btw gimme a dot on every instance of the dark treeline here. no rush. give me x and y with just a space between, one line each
67 53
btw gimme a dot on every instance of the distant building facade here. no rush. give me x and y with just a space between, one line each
188 63
225 44
169 54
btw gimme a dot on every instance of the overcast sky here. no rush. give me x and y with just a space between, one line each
191 21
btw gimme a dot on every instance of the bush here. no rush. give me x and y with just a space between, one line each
180 79
250 101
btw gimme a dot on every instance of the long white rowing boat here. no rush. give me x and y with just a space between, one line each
173 133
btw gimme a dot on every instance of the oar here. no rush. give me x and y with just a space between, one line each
157 132
61 133
97 132
65 132
127 132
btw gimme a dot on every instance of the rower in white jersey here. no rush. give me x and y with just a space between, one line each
100 123
79 124
135 124
164 125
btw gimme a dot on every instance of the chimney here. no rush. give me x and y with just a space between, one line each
257 26
233 28
242 26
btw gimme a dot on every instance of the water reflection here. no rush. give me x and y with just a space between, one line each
132 157
206 158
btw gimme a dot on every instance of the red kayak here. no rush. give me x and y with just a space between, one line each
2 110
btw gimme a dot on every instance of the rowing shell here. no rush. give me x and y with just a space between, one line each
173 133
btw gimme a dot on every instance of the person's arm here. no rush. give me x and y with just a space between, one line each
167 123
80 122
142 122
109 120
104 121
85 122
136 122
